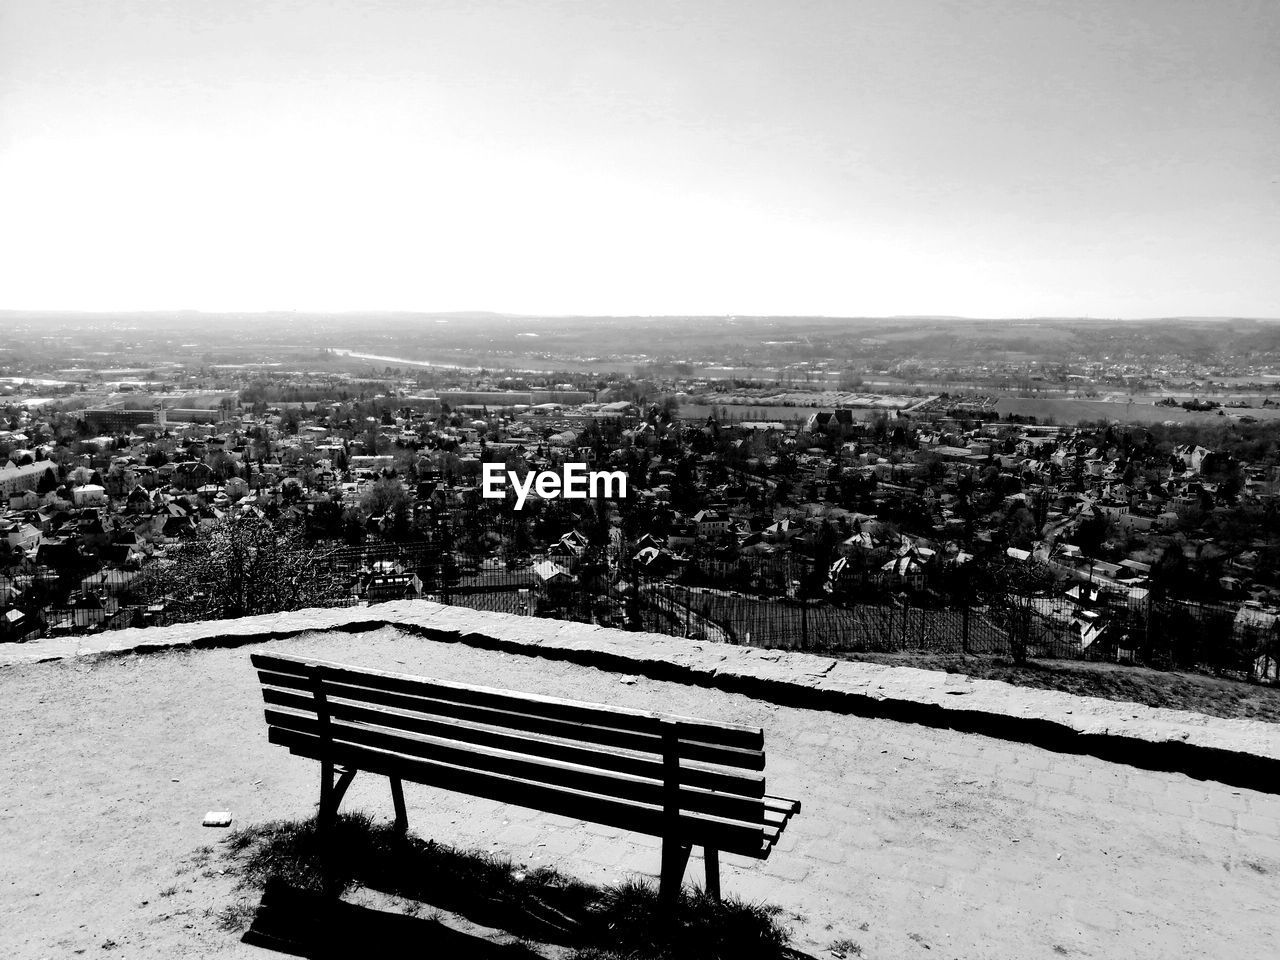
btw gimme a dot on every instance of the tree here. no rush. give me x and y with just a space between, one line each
1010 589
1020 526
240 567
1093 533
386 495
221 464
879 425
1171 574
291 489
47 483
825 543
782 492
353 530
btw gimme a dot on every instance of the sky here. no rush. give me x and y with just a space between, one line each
990 158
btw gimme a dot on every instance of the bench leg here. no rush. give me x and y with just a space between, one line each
331 794
711 858
675 857
397 798
326 796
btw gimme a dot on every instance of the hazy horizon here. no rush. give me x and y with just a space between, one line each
841 158
356 313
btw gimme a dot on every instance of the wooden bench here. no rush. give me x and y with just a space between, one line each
690 782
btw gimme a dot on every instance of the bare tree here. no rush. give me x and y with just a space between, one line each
1010 589
239 567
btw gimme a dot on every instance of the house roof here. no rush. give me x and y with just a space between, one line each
546 570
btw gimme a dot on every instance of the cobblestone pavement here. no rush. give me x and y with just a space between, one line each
913 842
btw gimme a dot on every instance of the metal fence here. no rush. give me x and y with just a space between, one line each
1223 639
763 602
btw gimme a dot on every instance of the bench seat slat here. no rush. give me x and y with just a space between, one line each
746 810
789 807
631 815
580 731
646 764
775 817
691 728
778 813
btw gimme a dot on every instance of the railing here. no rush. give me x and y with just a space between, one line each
764 602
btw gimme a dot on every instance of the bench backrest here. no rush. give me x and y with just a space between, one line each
694 780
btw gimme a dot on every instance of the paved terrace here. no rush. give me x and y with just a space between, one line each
914 841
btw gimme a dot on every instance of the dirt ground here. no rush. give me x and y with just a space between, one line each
913 841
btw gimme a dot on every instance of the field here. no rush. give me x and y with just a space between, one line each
1065 411
751 411
1061 410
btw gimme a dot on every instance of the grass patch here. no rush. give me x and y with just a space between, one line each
1213 696
845 948
619 922
631 921
236 917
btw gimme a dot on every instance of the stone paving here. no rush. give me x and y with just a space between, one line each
913 841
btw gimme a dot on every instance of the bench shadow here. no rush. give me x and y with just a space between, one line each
302 873
302 923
